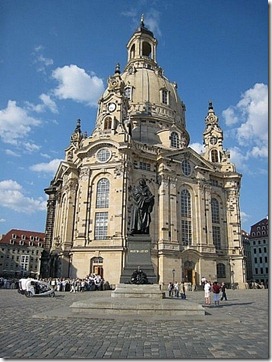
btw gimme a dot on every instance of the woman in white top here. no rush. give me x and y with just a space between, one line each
207 292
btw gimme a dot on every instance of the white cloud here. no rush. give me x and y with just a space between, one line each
151 21
50 167
198 147
12 197
30 147
40 60
15 123
244 217
47 103
238 158
12 153
230 116
76 84
251 116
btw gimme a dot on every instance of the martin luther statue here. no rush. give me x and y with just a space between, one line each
143 202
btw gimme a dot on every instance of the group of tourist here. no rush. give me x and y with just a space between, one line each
90 283
176 290
214 288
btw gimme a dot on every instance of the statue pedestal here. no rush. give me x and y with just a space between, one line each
138 255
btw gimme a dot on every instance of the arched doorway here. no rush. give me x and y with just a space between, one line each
189 275
96 266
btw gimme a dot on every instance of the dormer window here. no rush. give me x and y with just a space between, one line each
11 241
128 93
23 237
31 237
165 96
174 140
13 236
21 242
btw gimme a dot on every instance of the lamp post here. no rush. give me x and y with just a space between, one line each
232 275
173 271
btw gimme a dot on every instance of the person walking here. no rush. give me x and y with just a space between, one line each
223 290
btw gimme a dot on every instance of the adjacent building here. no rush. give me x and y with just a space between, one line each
20 253
259 245
140 133
247 254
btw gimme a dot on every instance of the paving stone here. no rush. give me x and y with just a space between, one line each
238 329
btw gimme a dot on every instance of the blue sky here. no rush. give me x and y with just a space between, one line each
56 57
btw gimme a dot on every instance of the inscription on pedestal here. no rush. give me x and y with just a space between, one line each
138 256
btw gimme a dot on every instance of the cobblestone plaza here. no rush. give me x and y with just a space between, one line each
44 328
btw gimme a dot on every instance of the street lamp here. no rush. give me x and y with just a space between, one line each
173 271
232 274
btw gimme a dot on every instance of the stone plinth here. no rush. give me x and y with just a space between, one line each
138 291
138 254
138 301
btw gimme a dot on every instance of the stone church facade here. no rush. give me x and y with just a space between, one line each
140 133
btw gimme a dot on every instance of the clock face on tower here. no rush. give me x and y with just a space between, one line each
111 107
213 140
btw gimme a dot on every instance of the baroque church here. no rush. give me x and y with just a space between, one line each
193 226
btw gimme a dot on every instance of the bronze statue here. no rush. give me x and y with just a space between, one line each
143 202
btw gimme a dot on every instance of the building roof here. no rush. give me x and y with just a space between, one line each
260 228
17 235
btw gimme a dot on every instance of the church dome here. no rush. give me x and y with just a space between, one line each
154 105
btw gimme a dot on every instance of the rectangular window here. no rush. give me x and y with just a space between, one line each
255 260
145 166
24 263
186 232
164 96
256 270
261 259
216 237
101 225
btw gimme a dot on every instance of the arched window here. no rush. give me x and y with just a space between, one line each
221 270
102 193
186 223
107 123
214 156
146 49
128 93
174 140
132 51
